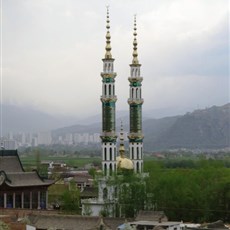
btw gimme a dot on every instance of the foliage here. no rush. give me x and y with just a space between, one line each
199 193
105 211
70 201
4 226
87 210
55 192
131 193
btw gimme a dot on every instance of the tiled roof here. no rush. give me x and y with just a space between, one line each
9 161
20 179
151 216
74 222
13 174
89 192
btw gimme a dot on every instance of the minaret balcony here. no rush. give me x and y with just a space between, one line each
135 79
108 75
109 136
136 137
108 98
132 101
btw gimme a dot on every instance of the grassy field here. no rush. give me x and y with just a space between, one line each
77 162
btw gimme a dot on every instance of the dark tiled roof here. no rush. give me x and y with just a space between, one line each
25 179
82 178
151 216
89 192
74 222
13 174
9 161
113 223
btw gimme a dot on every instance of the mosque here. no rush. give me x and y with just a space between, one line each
111 163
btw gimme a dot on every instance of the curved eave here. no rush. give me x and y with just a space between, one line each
25 179
32 185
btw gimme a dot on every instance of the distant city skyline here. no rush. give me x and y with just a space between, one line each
52 51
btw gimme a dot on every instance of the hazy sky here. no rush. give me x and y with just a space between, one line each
52 51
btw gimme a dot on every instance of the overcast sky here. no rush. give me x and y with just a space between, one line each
52 51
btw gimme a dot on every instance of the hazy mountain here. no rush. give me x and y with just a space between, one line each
26 119
208 128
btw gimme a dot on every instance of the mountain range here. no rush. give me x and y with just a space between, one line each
202 129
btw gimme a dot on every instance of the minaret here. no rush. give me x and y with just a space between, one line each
135 110
108 99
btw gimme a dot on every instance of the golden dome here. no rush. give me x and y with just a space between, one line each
124 163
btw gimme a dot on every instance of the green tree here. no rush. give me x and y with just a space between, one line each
70 201
4 226
194 194
131 193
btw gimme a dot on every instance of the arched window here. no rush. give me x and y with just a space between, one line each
138 153
140 92
105 89
109 89
132 153
105 169
111 153
136 72
132 92
136 92
113 90
138 167
110 169
109 67
105 154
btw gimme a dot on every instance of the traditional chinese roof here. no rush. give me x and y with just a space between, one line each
151 216
22 179
10 162
74 222
12 173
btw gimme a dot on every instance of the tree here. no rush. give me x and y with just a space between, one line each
4 226
131 193
70 201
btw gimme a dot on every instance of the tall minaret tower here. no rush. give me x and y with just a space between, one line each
108 99
135 110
